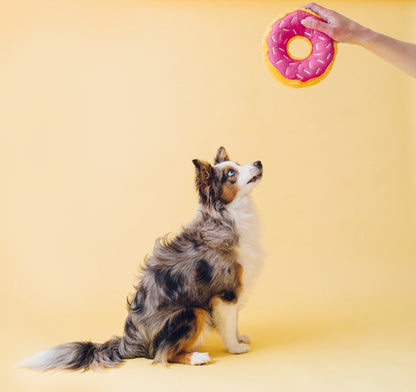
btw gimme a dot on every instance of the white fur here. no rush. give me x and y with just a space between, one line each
200 358
243 338
42 360
226 319
250 252
58 357
250 255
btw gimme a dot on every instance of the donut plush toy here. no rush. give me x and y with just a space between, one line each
287 68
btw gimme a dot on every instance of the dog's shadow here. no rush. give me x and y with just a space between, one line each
290 333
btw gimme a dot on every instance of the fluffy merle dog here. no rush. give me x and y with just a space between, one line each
193 281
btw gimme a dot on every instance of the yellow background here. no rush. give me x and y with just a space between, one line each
104 104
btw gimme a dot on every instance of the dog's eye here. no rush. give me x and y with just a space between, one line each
231 173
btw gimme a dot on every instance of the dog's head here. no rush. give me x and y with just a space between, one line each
225 181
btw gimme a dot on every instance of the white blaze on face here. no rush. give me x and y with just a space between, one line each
246 180
245 176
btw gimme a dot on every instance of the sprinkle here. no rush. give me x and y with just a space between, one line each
292 63
316 46
322 38
317 71
316 54
295 31
306 71
291 22
281 23
277 62
287 58
273 50
282 50
285 41
286 30
329 55
327 46
273 39
308 34
300 77
286 70
320 61
280 37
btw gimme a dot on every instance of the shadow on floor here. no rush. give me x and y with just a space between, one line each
267 335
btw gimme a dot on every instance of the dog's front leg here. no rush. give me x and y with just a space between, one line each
244 338
225 316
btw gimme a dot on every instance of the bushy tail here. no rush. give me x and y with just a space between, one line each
81 356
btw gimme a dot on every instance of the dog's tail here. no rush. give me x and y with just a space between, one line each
82 356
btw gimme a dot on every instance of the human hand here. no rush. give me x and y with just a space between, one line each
335 25
341 29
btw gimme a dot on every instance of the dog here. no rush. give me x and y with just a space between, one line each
192 282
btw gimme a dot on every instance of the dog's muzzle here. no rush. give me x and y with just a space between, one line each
258 165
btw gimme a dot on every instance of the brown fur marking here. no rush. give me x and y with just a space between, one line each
184 353
230 187
202 318
229 192
182 357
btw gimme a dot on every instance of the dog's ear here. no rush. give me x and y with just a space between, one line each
222 156
203 172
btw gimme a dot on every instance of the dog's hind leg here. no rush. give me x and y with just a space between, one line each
178 336
192 358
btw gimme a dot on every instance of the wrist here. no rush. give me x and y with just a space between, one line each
364 37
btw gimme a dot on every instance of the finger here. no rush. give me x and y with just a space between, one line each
321 11
315 24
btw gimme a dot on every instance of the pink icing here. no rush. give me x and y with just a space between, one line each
315 64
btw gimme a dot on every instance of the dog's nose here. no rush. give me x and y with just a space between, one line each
258 164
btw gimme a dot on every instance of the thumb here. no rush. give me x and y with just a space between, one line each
316 24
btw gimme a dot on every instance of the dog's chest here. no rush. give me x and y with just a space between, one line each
249 250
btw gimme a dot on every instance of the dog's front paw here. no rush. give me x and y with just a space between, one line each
243 339
239 348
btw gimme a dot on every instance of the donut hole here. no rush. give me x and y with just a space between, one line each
299 48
